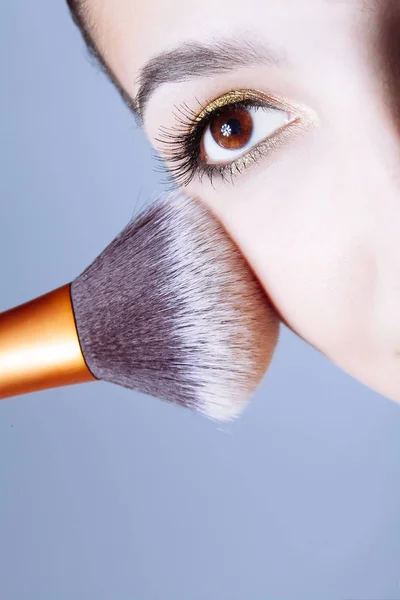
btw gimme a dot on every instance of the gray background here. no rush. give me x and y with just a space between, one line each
108 494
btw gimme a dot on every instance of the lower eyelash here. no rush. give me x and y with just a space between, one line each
183 143
233 168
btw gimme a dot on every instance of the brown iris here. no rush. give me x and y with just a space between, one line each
232 128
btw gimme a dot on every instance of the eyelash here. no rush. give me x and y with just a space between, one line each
183 144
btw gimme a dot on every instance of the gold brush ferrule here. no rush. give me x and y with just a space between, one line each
39 346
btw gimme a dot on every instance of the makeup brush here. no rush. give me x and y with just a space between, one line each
170 308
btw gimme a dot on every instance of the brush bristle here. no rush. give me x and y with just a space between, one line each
171 308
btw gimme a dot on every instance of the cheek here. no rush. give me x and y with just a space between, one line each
318 271
303 238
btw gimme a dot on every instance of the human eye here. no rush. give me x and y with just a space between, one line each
225 137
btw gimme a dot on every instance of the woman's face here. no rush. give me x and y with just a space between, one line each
310 187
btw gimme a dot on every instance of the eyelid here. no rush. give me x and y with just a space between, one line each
243 95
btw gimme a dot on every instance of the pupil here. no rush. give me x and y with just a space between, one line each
234 125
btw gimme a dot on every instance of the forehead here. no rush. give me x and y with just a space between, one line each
128 33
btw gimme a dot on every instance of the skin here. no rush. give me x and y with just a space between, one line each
318 220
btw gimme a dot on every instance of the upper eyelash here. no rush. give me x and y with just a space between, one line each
183 142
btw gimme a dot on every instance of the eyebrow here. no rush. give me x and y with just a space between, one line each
194 59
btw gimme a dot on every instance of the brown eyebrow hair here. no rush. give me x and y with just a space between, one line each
195 59
190 59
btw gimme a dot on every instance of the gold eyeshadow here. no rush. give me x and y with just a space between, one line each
243 95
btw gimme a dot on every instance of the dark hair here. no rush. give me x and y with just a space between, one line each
77 9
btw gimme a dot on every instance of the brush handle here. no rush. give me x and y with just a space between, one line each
39 346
